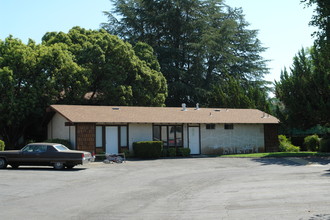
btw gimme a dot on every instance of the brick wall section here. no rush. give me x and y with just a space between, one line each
271 137
85 137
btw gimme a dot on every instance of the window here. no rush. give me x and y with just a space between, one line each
123 136
164 135
178 135
210 126
156 133
99 136
229 126
171 135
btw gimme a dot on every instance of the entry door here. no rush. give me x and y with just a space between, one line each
111 140
194 140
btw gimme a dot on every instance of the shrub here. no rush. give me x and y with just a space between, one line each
127 153
2 145
147 149
184 152
312 142
64 142
286 146
164 153
171 152
325 144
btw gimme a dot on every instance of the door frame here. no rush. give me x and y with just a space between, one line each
199 136
118 137
120 146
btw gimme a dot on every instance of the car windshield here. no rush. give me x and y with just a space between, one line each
61 148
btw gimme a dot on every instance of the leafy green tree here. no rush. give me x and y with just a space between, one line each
304 92
18 93
64 68
321 18
117 75
31 78
66 81
198 43
231 93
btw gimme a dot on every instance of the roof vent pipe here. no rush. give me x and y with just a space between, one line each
184 108
197 106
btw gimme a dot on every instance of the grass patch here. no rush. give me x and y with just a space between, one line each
280 154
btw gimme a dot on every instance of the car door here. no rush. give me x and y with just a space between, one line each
32 154
29 154
51 154
42 156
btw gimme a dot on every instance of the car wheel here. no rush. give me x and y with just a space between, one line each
69 166
58 165
3 163
14 166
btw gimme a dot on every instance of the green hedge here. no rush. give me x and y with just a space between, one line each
312 142
148 149
164 153
184 152
171 152
325 144
2 145
286 146
64 142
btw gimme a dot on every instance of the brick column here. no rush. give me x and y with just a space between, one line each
271 137
85 137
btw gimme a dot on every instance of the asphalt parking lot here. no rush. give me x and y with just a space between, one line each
193 188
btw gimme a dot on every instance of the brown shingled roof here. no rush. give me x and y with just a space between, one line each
128 114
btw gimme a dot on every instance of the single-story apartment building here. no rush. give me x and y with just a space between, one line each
113 129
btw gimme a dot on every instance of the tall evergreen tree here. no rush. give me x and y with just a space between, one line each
305 92
198 43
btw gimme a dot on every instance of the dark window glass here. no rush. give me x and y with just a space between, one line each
179 136
156 133
229 126
210 126
164 135
171 135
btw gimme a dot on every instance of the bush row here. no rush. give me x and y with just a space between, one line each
2 145
311 143
325 144
171 152
154 149
147 149
286 145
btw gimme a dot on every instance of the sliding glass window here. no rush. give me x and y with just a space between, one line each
171 135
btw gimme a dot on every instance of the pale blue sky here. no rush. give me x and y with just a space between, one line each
282 24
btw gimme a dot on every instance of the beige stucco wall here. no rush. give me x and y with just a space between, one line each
139 132
57 129
214 141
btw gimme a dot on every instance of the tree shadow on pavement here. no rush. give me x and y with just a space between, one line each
292 161
41 169
327 173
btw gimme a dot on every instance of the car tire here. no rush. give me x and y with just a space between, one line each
58 165
3 163
69 166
